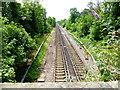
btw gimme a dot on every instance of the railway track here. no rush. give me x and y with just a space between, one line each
68 65
60 71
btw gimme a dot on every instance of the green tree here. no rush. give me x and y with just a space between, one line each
74 14
16 43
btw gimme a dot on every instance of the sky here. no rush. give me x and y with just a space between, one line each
60 8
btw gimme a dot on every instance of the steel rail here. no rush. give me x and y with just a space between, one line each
64 57
68 57
83 47
58 38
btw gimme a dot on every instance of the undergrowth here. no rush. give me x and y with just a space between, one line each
34 71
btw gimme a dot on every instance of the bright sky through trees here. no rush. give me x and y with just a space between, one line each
60 8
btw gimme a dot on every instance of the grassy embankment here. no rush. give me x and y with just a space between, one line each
34 72
106 57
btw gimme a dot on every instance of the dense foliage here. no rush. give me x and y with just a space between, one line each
15 44
23 26
100 35
31 15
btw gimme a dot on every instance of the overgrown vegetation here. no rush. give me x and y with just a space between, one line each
24 26
34 71
100 35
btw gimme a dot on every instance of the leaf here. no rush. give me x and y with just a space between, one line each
102 71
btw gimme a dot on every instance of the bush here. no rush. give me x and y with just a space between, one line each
16 43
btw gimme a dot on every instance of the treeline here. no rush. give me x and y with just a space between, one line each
86 25
22 26
99 29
